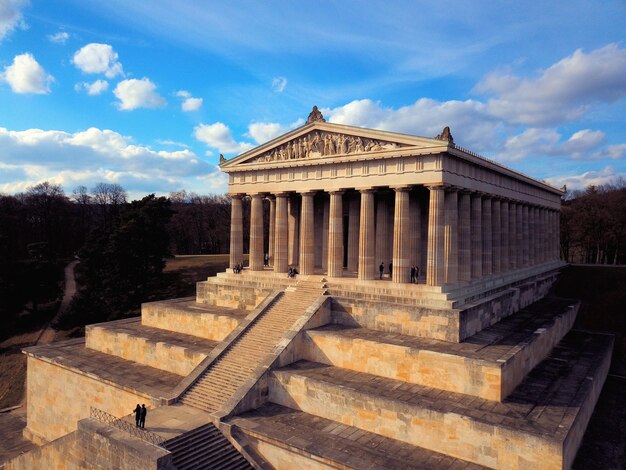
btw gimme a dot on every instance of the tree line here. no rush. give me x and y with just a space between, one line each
593 225
121 245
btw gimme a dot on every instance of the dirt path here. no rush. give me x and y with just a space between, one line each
48 333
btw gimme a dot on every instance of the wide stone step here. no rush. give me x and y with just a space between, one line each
162 349
187 316
289 438
489 364
540 424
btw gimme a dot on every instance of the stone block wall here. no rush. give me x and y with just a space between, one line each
224 295
58 398
169 316
168 357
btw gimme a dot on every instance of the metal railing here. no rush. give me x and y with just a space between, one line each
130 428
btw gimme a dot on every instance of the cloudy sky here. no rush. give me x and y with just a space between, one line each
147 94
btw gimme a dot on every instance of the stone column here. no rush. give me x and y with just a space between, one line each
281 252
335 235
504 218
532 232
353 233
270 248
256 233
487 237
435 265
526 235
519 236
236 231
294 229
367 241
382 230
325 217
401 241
512 235
465 237
557 235
496 222
307 234
415 217
544 236
451 237
477 236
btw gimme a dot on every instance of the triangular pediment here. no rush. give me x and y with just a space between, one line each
321 140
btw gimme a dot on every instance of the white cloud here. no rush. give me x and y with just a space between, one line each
59 38
136 93
94 155
596 178
470 124
263 132
172 143
189 103
11 16
279 84
562 92
532 141
218 135
96 88
613 152
25 75
98 58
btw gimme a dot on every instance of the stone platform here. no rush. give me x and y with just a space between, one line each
312 373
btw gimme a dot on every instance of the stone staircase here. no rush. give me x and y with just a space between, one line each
205 447
234 367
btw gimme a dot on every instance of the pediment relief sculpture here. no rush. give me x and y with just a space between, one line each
323 144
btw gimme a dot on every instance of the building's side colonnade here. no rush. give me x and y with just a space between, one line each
453 234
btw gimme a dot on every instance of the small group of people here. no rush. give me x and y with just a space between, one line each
140 415
292 271
238 268
415 272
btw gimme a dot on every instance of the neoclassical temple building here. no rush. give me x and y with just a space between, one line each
419 332
345 199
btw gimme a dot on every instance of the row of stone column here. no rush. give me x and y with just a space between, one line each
477 235
470 235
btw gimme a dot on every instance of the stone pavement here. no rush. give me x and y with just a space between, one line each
12 443
329 440
171 421
126 374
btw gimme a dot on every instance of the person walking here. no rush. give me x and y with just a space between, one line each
381 269
137 412
417 273
412 274
142 419
390 266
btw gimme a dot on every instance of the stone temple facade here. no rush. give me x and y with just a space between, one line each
474 365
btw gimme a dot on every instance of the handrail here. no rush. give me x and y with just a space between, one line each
119 423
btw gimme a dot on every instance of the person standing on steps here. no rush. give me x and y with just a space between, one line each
412 274
390 266
137 412
142 419
381 269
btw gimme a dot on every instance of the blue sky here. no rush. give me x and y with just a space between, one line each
147 94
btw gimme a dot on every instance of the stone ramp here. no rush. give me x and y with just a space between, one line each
287 435
539 424
489 364
235 366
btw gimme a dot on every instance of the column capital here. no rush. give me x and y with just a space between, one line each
366 190
257 195
307 192
337 191
435 186
281 194
401 189
236 195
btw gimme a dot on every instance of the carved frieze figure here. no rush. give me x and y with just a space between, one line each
323 144
315 116
445 135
